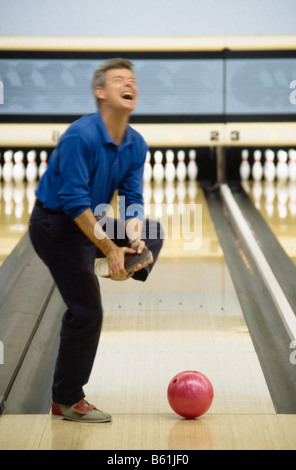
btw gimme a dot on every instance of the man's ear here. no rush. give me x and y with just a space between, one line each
99 93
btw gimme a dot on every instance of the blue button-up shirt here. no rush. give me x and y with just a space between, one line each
87 167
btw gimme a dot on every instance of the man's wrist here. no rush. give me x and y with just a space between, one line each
106 246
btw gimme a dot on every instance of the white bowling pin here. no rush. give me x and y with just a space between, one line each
245 168
169 169
31 169
43 163
257 170
181 167
147 169
282 170
192 169
8 166
158 169
18 172
269 166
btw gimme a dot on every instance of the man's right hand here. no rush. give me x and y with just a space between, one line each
115 259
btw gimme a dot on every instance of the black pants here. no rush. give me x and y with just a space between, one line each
70 257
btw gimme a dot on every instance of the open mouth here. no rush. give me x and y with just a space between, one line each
127 95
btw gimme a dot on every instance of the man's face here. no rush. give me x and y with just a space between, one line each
120 90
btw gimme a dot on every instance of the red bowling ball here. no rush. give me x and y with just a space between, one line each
190 394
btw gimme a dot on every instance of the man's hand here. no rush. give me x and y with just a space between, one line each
139 246
115 260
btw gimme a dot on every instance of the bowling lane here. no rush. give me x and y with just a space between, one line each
16 201
186 316
276 201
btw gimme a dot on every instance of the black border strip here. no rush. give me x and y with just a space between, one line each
135 119
101 55
186 54
154 118
261 54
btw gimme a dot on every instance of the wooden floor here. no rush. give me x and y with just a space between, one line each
186 316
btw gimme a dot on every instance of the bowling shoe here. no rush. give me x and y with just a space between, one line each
131 261
81 412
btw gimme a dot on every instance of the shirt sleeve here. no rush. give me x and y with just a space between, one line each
130 191
75 170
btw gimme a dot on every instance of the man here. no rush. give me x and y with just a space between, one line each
98 154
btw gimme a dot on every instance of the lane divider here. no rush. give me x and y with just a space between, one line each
283 306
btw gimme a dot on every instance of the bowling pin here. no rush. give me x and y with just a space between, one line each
8 166
169 169
282 170
181 167
18 171
257 170
192 170
245 169
43 163
147 168
269 166
31 170
0 168
292 165
158 169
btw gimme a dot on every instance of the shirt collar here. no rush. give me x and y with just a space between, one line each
105 134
